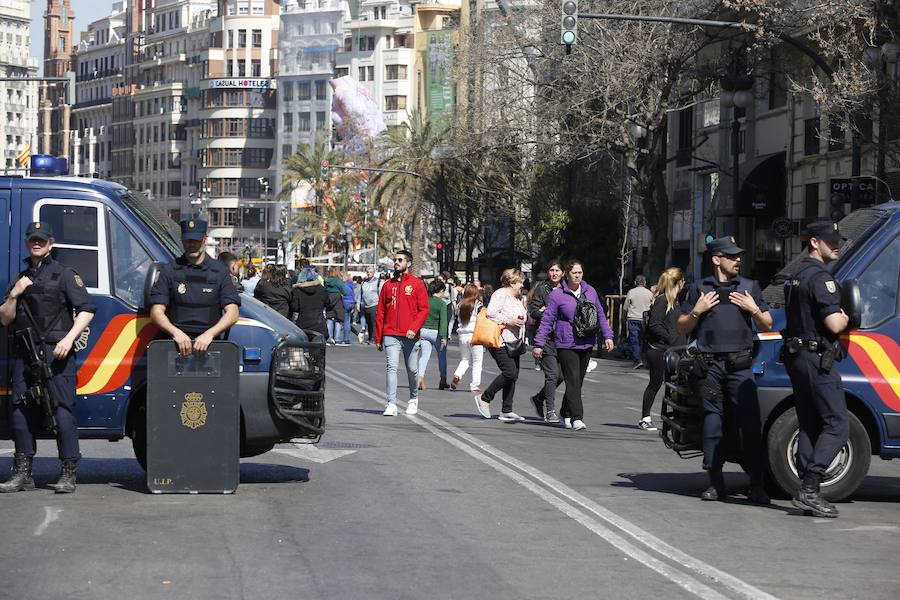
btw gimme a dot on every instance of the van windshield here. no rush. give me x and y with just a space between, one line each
157 221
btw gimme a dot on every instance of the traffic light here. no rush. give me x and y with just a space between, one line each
836 204
324 170
440 255
569 33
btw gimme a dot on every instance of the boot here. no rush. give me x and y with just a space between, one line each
716 489
757 495
443 385
809 498
21 476
66 483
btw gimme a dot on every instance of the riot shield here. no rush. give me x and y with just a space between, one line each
193 419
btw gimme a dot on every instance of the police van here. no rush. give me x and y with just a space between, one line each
870 261
117 241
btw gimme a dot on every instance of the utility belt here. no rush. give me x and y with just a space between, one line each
734 361
829 352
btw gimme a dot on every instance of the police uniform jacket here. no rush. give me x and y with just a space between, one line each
56 294
724 328
194 295
811 294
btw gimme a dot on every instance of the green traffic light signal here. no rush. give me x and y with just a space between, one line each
569 33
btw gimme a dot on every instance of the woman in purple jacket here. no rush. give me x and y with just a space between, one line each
573 352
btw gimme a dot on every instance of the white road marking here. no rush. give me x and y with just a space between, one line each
313 453
51 513
7 451
557 494
891 528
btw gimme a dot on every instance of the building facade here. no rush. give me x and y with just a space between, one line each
98 63
18 101
54 119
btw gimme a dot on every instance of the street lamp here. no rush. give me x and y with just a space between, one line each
737 93
264 181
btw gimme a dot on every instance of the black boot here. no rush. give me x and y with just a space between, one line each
716 489
66 483
21 479
809 498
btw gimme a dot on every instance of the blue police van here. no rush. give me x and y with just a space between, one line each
870 371
117 242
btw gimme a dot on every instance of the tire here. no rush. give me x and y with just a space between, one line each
844 475
139 435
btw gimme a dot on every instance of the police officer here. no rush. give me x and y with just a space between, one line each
719 311
194 300
814 321
51 300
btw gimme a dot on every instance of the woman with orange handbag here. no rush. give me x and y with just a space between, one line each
507 310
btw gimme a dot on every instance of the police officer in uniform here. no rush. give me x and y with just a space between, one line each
50 299
194 300
814 322
719 311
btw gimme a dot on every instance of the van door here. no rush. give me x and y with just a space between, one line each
6 266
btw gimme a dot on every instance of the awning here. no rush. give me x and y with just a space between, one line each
764 187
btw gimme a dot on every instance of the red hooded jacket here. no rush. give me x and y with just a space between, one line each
402 307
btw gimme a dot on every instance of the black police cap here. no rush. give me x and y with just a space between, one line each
826 231
193 229
39 229
723 245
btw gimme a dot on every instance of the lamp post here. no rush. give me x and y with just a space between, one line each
883 60
737 93
264 181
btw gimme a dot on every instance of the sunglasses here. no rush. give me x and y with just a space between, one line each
729 256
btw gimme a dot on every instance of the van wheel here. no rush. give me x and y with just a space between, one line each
139 435
843 476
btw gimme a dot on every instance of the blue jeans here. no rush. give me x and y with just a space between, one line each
332 329
348 322
393 345
634 339
428 338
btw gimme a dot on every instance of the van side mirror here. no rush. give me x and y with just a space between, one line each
152 275
851 302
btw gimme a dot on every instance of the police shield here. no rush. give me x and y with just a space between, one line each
193 425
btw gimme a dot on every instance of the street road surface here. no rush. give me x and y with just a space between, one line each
444 505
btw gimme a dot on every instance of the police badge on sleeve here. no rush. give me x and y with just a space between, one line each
831 287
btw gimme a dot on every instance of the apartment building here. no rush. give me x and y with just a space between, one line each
18 101
98 62
436 33
237 125
54 118
379 51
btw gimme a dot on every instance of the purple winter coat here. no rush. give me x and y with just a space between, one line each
558 317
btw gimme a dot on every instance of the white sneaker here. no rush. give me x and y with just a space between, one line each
361 337
483 408
390 410
592 364
646 424
567 423
510 417
578 425
412 407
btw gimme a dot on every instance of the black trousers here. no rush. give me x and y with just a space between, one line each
656 362
506 380
573 364
821 410
371 314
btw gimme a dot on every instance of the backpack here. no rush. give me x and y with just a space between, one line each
586 321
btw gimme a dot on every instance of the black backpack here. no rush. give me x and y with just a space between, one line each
586 321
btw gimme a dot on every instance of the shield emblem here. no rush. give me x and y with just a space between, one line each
182 289
193 411
829 285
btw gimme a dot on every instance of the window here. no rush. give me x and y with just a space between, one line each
811 136
395 72
394 102
811 201
836 137
257 38
303 90
231 38
287 90
288 120
242 38
255 68
320 90
321 121
878 286
348 44
303 122
362 74
341 72
77 242
242 68
685 137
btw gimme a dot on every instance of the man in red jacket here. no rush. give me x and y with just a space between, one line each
402 309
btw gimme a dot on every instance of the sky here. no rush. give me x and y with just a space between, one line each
85 12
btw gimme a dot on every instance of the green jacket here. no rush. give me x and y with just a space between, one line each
437 316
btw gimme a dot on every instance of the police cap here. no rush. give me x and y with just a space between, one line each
723 245
39 229
824 230
193 229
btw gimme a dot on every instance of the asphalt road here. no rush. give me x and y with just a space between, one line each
444 505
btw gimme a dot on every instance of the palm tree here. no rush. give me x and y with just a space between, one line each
413 150
306 165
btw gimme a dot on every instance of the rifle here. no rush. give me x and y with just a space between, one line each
41 389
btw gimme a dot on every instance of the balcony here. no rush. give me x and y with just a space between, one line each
91 103
94 75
